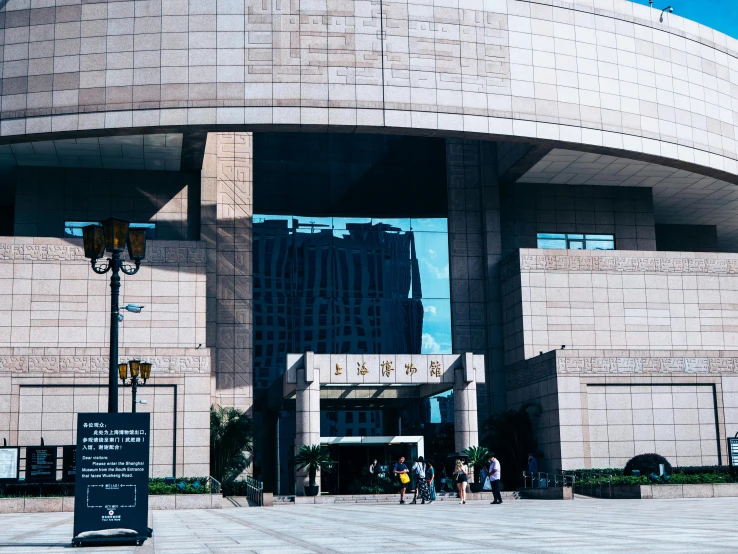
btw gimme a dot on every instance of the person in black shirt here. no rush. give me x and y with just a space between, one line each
400 469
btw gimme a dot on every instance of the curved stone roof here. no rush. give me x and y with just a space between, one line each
606 75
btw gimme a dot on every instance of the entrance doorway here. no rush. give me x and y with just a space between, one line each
352 456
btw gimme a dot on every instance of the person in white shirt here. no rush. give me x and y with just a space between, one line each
495 473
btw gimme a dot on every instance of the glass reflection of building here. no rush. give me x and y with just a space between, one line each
356 289
343 280
345 285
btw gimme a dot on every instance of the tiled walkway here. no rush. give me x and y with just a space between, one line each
581 525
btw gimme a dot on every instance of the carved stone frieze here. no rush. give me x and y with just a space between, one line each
156 253
99 364
623 264
534 370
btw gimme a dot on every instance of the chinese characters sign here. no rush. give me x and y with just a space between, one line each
112 473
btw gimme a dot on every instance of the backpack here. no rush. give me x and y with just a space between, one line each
420 471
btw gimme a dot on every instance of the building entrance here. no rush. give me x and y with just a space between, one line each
352 459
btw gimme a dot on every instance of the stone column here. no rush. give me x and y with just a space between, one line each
475 250
466 428
226 220
307 413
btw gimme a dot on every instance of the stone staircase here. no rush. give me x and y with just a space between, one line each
383 498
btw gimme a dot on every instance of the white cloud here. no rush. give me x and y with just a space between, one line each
438 273
430 310
432 253
429 345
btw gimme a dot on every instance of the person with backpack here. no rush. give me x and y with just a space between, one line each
421 485
401 473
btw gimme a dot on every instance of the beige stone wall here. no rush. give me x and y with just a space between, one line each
42 390
619 300
601 73
227 214
54 340
50 297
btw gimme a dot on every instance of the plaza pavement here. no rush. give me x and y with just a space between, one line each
579 526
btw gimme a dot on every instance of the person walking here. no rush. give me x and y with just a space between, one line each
461 476
421 485
373 472
430 477
532 469
495 473
400 469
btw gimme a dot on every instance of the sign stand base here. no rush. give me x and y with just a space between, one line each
111 537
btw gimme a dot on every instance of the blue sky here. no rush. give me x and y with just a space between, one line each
718 14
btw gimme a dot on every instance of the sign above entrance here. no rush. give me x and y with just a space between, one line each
389 369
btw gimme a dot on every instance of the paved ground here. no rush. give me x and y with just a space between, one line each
581 525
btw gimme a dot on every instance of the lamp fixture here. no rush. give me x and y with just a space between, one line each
113 236
140 373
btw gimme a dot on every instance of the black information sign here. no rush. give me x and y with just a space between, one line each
733 451
112 478
69 462
40 464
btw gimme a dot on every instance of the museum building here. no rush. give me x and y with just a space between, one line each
374 225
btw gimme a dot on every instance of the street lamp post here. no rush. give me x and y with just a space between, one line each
136 367
114 236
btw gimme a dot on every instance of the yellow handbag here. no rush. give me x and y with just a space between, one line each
404 478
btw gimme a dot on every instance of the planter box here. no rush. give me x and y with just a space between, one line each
709 490
548 493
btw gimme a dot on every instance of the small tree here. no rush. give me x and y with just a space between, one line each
477 457
315 458
231 439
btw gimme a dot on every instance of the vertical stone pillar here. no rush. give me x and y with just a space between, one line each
307 413
466 427
475 249
226 227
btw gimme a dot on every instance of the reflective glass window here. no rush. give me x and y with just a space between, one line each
573 241
348 285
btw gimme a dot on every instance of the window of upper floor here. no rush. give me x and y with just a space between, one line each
574 241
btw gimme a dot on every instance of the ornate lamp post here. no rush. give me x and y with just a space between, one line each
136 367
113 236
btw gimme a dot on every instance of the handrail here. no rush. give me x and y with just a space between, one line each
602 481
542 479
214 485
254 491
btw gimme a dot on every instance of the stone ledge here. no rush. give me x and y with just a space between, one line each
659 492
66 503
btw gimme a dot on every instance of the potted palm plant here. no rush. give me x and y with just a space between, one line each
314 458
477 457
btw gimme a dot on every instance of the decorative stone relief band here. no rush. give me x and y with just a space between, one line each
99 364
191 253
534 370
565 366
513 264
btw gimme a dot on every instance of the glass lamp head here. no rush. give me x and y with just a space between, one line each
116 234
145 371
135 366
137 243
93 240
123 371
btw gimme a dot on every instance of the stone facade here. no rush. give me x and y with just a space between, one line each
227 212
649 363
605 74
54 336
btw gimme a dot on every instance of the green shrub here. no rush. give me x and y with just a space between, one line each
647 464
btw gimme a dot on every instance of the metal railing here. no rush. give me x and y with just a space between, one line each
598 485
542 480
254 491
214 485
